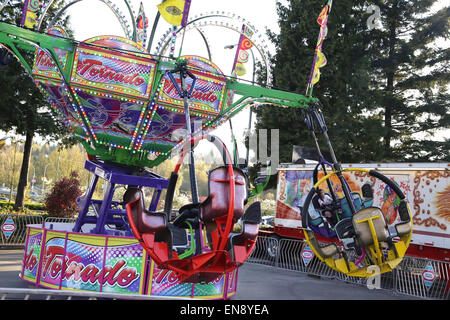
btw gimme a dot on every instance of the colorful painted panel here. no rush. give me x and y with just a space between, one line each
44 65
293 187
208 94
117 43
113 72
164 282
52 259
124 266
32 255
110 116
168 126
430 206
212 290
66 110
232 283
84 259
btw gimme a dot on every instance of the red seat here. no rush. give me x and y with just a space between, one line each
217 202
151 226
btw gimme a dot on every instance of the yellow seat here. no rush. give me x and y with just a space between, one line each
326 251
370 226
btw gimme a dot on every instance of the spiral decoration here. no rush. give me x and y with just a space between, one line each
243 56
34 5
245 44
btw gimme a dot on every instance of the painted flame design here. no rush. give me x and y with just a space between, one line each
442 203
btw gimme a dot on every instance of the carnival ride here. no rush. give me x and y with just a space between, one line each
132 110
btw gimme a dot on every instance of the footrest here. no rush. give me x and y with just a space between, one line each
179 236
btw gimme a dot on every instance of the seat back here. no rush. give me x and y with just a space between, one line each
250 224
145 222
326 251
216 205
367 191
361 223
404 227
346 212
344 228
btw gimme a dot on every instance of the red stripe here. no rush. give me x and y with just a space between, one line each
435 234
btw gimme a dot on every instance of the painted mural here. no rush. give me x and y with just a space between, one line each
427 191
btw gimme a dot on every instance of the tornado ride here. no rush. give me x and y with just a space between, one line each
132 110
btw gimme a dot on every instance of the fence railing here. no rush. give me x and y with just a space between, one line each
423 278
416 277
13 227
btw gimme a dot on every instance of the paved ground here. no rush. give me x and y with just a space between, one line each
255 282
10 267
259 282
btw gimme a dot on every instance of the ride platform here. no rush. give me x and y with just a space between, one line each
57 258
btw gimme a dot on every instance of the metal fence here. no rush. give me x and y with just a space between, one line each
13 227
13 230
423 278
416 277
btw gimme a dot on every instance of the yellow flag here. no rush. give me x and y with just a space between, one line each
30 20
321 60
2 143
172 11
240 69
316 75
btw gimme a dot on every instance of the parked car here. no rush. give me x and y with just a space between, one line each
267 221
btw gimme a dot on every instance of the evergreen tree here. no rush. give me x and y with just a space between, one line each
343 85
410 77
23 108
383 90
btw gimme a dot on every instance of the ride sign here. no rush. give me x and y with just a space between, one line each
8 227
307 255
428 276
106 70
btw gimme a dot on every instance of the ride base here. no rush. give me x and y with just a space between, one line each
98 253
57 258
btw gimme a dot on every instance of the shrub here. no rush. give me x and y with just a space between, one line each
8 207
62 200
268 207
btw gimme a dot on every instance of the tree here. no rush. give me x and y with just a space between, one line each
410 68
23 109
343 84
381 88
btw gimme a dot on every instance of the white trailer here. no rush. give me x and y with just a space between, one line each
426 186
